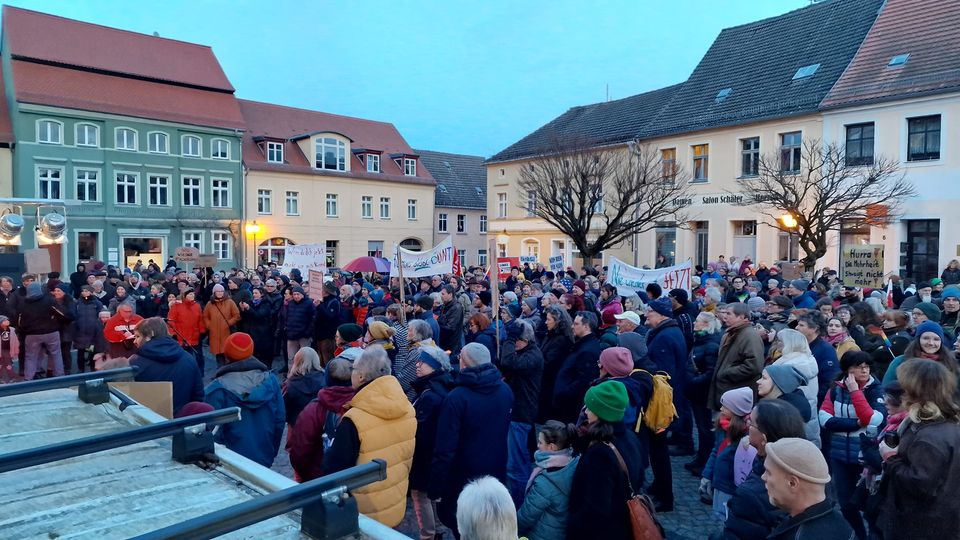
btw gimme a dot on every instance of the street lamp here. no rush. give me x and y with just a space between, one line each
790 223
252 230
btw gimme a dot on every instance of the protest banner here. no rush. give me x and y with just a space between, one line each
186 254
528 259
556 263
438 260
630 279
862 266
207 260
504 264
791 270
314 284
304 257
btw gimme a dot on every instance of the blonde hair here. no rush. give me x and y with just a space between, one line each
305 361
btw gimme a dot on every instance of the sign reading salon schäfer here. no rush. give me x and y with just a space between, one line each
862 266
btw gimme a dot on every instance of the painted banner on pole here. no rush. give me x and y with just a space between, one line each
630 279
556 263
438 260
304 257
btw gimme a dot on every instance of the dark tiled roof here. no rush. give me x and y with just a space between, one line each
56 40
609 122
6 128
281 123
930 34
757 61
461 180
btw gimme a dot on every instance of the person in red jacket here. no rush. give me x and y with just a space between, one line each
305 441
119 332
186 324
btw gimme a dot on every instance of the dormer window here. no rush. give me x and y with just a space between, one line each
373 163
274 152
331 154
409 166
806 71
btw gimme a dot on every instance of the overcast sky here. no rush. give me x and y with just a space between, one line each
464 77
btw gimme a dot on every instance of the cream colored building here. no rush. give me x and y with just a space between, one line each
460 204
316 178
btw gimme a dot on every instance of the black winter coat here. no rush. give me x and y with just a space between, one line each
522 371
299 391
749 513
579 369
299 319
822 521
451 326
67 316
327 318
36 315
555 348
431 391
162 359
486 337
258 321
704 360
89 329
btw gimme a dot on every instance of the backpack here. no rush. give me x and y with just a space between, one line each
661 411
329 429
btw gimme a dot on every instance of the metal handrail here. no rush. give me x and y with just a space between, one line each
98 443
66 381
271 505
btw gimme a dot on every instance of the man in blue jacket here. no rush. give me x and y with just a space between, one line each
472 428
246 383
812 327
299 321
802 298
160 358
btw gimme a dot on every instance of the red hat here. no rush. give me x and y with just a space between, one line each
239 346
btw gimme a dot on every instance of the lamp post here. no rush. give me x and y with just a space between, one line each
252 230
790 223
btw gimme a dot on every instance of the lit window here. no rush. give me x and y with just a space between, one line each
88 135
411 209
409 166
668 163
220 193
373 163
293 203
701 162
366 207
275 152
441 223
264 201
331 154
220 149
159 190
157 142
192 191
50 182
49 132
332 206
88 185
190 145
126 139
384 207
126 188
221 245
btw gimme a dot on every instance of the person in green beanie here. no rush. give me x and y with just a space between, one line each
601 486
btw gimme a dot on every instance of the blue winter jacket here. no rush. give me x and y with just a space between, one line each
807 300
828 367
543 515
300 319
248 384
667 347
839 418
162 359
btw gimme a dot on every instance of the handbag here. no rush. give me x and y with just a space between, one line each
643 517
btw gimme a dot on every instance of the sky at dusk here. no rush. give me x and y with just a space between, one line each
464 77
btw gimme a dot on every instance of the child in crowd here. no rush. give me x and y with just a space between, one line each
9 349
731 427
543 514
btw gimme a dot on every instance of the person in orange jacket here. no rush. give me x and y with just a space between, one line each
118 330
219 316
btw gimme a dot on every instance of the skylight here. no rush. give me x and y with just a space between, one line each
442 188
899 60
723 94
806 71
479 190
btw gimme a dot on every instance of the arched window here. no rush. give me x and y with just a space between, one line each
412 244
272 250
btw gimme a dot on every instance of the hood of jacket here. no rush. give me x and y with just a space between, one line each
333 398
382 397
161 349
485 378
438 381
248 380
805 364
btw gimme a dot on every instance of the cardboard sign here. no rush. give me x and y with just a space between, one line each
304 257
437 261
186 254
528 259
207 261
556 263
504 264
37 261
630 279
156 396
315 284
862 265
791 270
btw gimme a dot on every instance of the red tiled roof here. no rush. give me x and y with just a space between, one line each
73 89
279 122
92 46
6 128
930 34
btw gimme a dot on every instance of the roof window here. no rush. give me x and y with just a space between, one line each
806 71
442 188
898 60
479 190
723 94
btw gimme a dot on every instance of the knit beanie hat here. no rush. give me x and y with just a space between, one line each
617 361
193 408
485 297
580 283
801 284
739 401
377 296
800 458
930 310
755 303
297 289
329 286
217 288
350 332
929 326
379 330
513 309
239 346
34 290
531 303
935 281
950 292
787 378
608 400
662 306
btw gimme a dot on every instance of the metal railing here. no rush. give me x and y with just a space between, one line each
66 381
98 443
328 510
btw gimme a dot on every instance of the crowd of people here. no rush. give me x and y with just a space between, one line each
808 408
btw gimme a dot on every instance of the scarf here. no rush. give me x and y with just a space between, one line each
929 356
549 460
835 340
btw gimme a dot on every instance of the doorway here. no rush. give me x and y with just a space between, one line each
923 253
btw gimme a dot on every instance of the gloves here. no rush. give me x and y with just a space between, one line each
706 490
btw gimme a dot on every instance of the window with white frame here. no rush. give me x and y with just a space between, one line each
409 166
411 209
220 149
384 207
158 190
49 132
190 146
293 203
461 223
125 139
366 207
193 239
220 193
87 135
333 209
598 193
331 154
531 203
126 188
501 205
157 142
275 152
264 201
221 245
462 254
192 191
483 223
88 185
50 182
373 163
441 223
481 257
375 248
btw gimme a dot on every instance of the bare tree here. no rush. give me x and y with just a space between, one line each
809 191
600 197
